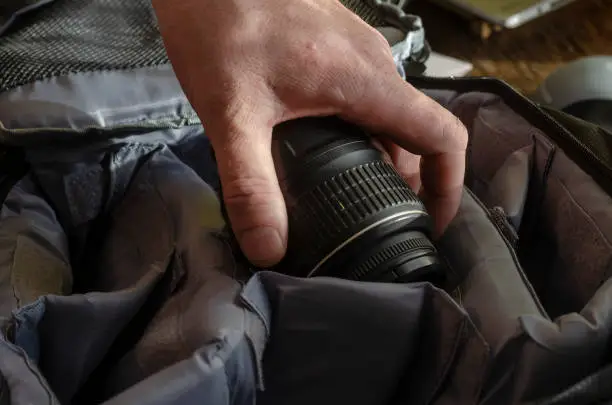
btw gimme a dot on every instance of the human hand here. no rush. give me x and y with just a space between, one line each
246 66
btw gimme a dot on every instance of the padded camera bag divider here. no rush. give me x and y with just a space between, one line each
547 192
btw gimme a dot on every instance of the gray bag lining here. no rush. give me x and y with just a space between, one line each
568 224
65 108
485 275
565 252
503 352
160 314
577 233
180 251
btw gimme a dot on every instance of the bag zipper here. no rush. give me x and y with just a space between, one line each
565 140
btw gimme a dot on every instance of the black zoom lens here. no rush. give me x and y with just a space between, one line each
351 215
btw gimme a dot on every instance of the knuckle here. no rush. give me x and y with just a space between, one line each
332 68
312 55
461 132
237 119
345 89
245 194
455 133
377 47
380 41
235 126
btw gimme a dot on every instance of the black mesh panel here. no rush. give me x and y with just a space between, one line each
69 36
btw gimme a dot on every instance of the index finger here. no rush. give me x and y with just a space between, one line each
420 125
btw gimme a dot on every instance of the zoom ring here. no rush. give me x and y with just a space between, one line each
338 205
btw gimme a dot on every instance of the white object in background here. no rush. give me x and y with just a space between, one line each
583 79
439 65
403 44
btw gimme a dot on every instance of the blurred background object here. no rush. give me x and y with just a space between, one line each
524 56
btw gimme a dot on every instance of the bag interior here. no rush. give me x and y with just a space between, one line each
542 298
565 228
529 252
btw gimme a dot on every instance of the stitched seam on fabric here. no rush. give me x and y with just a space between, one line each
227 377
12 274
592 221
28 363
459 295
148 151
161 198
500 135
453 353
450 360
584 211
482 364
248 328
255 308
548 167
175 253
89 72
540 194
186 119
258 362
513 254
43 78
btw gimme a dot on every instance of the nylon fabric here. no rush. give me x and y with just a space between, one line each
146 282
165 298
56 38
71 36
119 283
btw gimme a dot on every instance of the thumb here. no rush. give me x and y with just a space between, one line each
251 192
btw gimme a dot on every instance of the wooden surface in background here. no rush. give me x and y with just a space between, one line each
524 56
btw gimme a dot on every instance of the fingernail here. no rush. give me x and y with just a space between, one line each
263 246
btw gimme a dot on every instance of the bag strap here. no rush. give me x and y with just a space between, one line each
594 138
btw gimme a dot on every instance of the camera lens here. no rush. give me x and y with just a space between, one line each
351 215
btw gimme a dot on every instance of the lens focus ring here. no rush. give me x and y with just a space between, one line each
334 210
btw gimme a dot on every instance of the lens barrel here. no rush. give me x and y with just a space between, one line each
351 215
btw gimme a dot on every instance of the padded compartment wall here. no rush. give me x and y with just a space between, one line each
565 236
495 132
573 237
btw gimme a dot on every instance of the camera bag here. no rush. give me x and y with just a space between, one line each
120 285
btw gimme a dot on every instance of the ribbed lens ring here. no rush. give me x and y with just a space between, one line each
334 210
404 247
